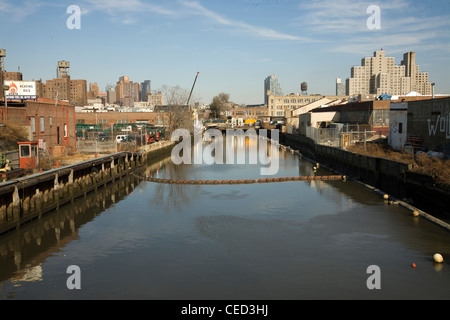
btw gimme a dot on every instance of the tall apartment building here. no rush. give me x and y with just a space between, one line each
78 92
57 89
110 96
13 76
127 92
271 84
124 92
379 75
136 91
145 89
155 99
94 91
65 89
340 87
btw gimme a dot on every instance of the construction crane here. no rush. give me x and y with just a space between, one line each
195 80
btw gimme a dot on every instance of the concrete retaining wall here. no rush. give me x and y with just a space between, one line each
30 197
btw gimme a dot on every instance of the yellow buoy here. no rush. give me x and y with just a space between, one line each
386 197
416 213
438 258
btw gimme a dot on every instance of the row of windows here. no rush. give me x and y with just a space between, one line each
295 100
42 125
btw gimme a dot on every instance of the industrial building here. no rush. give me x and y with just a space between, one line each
48 122
428 124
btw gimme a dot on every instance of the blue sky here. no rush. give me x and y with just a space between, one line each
234 44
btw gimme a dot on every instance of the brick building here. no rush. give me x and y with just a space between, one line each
109 118
53 125
65 89
13 76
251 112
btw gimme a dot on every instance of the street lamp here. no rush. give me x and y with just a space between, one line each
6 89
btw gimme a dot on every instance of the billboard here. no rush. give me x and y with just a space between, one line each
19 90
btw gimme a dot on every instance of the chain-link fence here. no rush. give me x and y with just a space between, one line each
105 143
339 136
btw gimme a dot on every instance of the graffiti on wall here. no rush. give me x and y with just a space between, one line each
442 125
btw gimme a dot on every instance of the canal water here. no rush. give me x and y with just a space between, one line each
277 241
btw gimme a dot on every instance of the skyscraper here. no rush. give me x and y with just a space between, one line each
145 88
271 83
340 87
136 91
124 92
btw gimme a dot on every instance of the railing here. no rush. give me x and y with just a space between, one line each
26 198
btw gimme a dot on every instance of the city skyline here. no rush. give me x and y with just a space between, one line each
234 45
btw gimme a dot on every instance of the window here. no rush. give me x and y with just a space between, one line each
25 151
41 124
65 130
33 124
400 127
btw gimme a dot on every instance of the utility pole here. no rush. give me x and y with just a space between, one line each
6 89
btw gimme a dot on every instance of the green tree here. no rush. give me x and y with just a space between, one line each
218 105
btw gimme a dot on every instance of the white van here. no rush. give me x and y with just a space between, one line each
120 138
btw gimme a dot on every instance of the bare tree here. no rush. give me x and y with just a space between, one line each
178 114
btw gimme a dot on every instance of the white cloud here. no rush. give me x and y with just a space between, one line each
18 12
120 6
404 26
241 26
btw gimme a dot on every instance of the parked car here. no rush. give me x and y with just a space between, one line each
121 138
103 137
128 138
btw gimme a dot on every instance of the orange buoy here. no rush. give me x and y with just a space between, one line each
413 265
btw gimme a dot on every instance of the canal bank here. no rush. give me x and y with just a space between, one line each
30 197
293 240
386 177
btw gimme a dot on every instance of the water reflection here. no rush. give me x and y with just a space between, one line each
23 252
288 240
